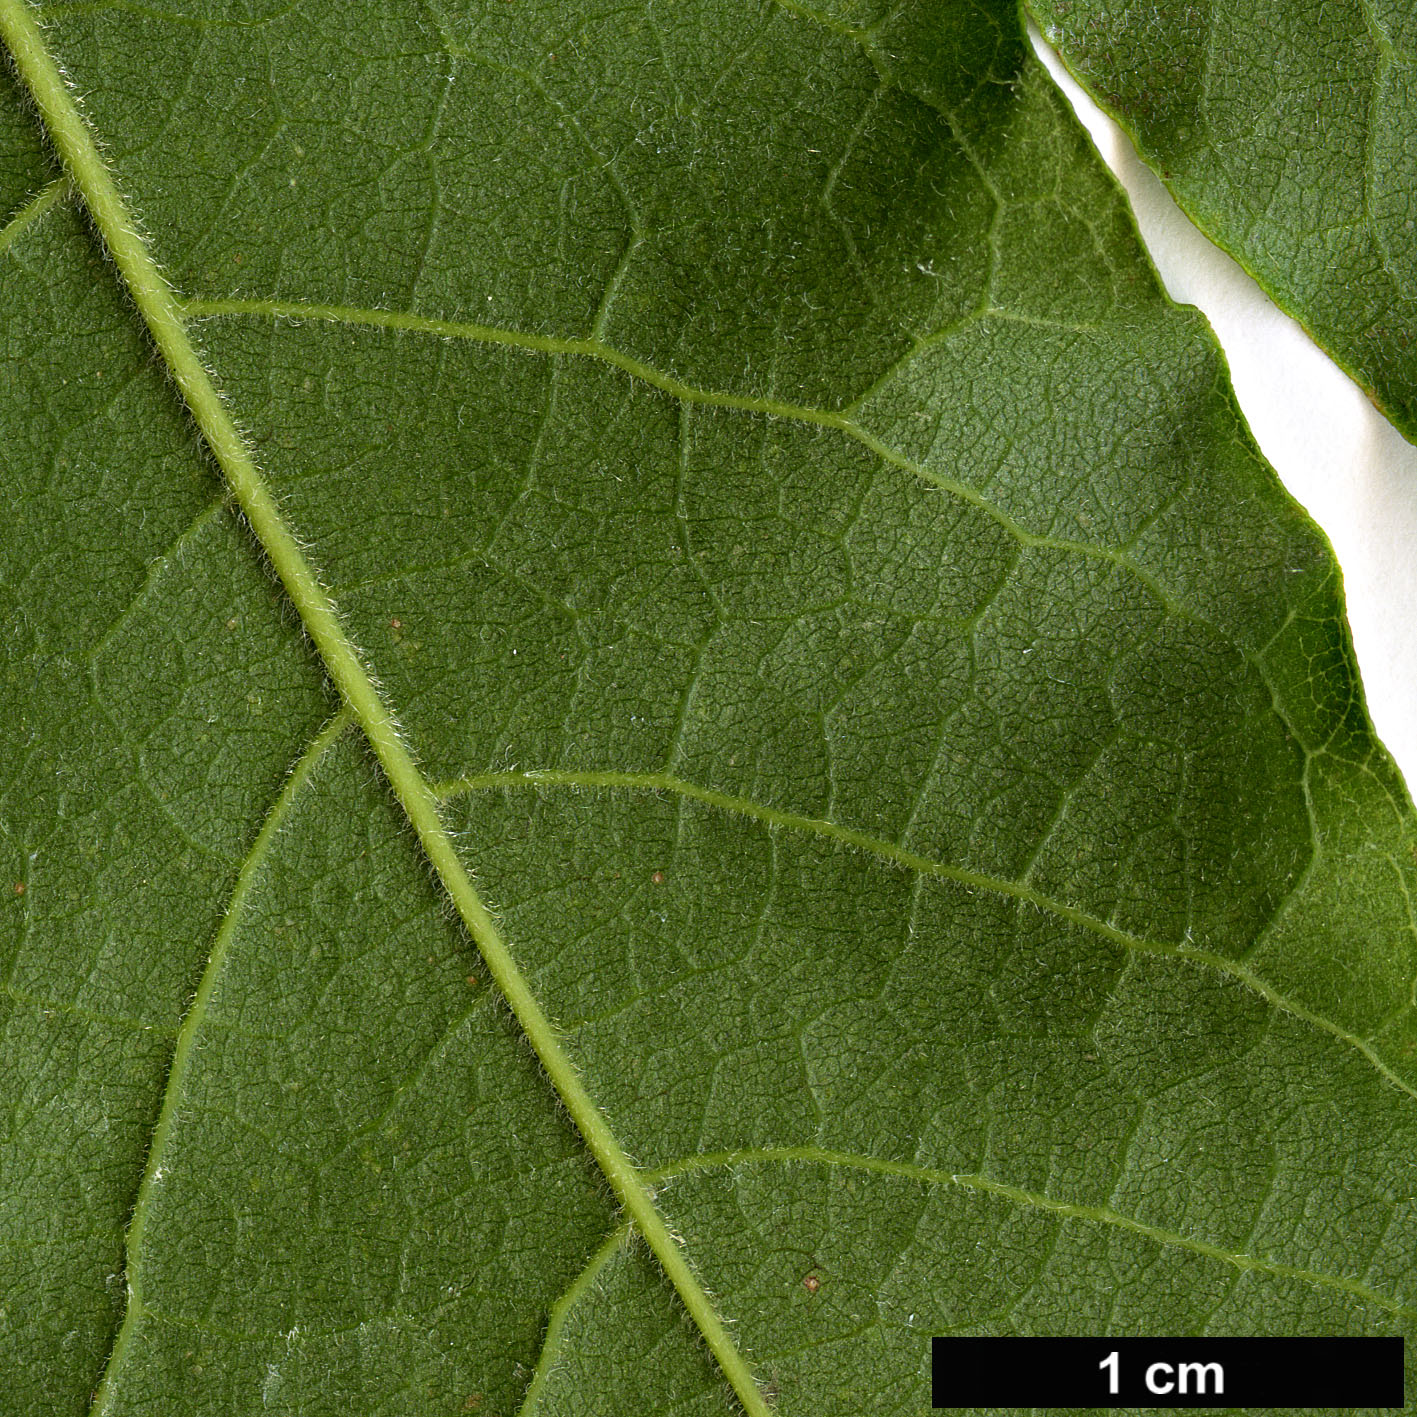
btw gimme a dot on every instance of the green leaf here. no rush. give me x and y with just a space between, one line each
756 555
1288 132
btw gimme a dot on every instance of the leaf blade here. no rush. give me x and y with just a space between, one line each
1288 138
773 597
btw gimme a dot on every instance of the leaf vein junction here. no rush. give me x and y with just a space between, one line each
687 393
889 851
1102 1215
186 1042
560 1311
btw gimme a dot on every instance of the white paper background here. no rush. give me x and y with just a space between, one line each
1337 455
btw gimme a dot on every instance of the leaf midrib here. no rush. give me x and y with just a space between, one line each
162 312
157 304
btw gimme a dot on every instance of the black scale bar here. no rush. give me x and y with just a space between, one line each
1215 1373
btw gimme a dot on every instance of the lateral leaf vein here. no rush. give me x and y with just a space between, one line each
913 861
973 1181
186 1040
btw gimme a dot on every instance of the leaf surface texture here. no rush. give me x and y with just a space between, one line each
1287 129
906 741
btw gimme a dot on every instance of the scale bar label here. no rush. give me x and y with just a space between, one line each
1168 1372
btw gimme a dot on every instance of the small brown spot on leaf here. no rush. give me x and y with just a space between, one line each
658 878
19 888
472 979
473 1402
396 623
811 1283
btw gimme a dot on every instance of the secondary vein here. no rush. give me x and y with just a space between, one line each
186 1039
594 348
925 865
31 212
561 1310
1071 1210
160 310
